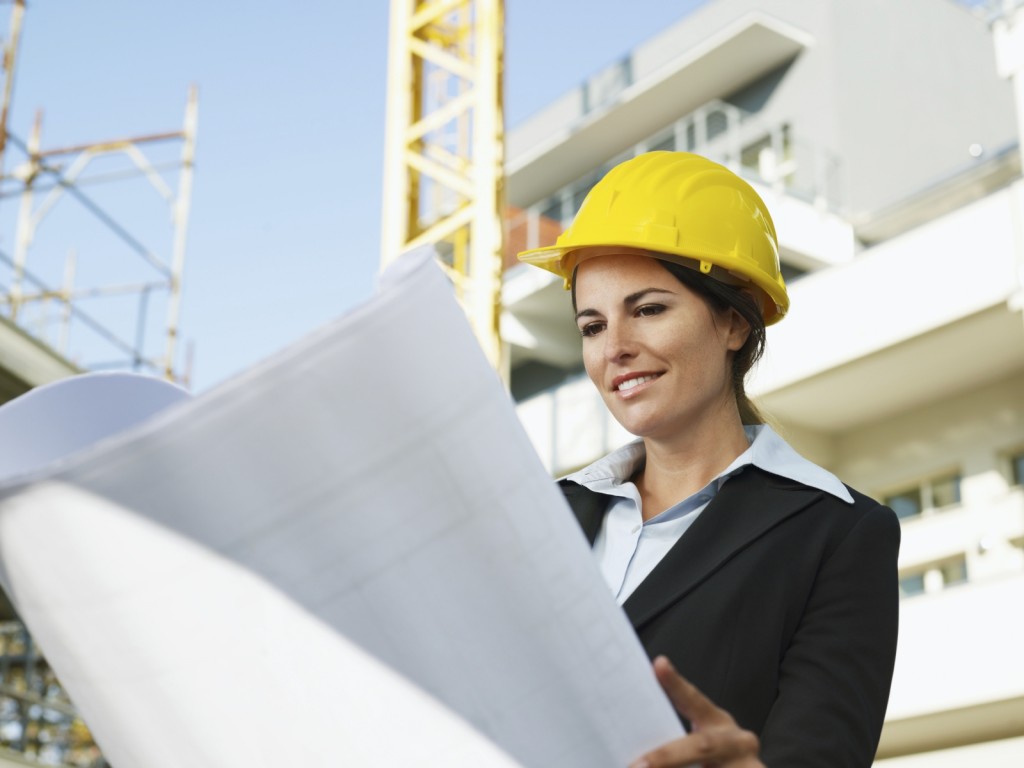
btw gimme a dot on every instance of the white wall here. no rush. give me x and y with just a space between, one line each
1005 753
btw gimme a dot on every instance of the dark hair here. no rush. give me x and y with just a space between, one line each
722 297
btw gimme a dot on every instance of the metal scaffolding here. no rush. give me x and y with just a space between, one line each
62 302
63 172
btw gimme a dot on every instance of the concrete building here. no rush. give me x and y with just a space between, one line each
885 139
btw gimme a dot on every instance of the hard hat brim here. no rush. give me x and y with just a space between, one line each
563 262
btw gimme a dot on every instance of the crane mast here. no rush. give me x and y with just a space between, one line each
444 148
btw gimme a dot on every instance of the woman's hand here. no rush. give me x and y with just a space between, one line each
715 739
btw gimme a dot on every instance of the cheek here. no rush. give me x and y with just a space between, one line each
700 357
714 364
591 362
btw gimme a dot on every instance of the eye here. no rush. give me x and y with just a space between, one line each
649 310
591 329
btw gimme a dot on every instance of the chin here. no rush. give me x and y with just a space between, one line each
652 427
638 427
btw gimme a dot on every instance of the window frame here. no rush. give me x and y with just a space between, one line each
935 576
1014 459
925 490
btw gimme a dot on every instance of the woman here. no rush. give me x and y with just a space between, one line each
766 582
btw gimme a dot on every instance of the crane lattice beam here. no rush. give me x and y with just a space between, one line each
444 147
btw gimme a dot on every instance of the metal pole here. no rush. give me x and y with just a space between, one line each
69 287
25 227
402 91
10 55
489 168
181 210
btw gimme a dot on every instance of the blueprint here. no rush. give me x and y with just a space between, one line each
348 555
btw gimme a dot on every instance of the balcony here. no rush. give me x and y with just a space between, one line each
958 678
672 74
915 319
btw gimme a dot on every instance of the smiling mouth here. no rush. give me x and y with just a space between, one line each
628 384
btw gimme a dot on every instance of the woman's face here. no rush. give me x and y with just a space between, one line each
655 350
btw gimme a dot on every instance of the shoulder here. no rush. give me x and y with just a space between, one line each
815 513
861 504
871 512
866 530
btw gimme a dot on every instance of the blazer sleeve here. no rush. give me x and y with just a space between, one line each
835 674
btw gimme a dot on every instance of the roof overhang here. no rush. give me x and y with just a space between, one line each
939 364
984 176
727 60
26 363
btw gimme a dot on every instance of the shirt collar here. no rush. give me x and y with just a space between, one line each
767 451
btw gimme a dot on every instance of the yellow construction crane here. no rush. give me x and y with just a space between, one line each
444 148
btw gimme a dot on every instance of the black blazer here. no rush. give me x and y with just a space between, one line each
781 604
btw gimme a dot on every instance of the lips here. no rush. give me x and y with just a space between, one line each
629 381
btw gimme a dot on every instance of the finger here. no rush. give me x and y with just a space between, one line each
730 746
687 699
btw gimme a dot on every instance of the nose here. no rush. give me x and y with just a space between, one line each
619 343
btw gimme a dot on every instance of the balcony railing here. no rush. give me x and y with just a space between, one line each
772 156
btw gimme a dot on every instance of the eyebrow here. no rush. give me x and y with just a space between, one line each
629 301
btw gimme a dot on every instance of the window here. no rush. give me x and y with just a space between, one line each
691 136
790 273
580 193
905 503
912 584
717 124
1017 468
953 572
931 495
945 491
934 577
667 143
553 210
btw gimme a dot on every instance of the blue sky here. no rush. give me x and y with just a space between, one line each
285 225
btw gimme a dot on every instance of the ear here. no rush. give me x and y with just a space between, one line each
736 330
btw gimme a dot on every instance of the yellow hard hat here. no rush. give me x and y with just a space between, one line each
678 207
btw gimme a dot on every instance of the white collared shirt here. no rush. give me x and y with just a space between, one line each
628 548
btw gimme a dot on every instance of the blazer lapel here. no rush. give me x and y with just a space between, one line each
588 506
746 507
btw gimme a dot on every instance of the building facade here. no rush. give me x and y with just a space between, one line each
885 139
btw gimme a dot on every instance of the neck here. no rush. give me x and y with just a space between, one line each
680 466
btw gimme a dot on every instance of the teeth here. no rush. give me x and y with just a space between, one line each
630 383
